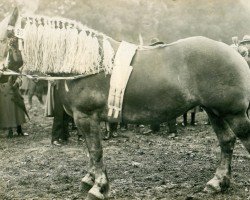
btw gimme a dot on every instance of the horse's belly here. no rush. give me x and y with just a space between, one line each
155 96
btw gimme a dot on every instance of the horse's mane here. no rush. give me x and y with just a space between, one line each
59 45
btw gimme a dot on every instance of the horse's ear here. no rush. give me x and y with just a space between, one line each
12 22
14 17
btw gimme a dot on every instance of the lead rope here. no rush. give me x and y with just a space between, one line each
9 72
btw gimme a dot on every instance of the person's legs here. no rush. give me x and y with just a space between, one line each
172 126
10 133
64 136
184 123
193 123
20 132
73 125
56 129
57 126
60 122
123 126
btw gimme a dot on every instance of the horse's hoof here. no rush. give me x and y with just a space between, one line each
95 194
107 135
217 185
212 189
87 183
213 186
85 187
115 134
93 197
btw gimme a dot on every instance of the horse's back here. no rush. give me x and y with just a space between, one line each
192 71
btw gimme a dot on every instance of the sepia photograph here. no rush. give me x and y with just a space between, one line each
124 100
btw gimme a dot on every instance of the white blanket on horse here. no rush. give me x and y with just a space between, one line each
119 79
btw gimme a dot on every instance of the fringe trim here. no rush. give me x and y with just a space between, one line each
58 45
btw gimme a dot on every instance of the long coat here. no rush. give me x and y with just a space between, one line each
12 108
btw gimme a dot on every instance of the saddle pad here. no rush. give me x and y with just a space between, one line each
119 79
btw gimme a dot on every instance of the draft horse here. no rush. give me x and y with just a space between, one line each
164 84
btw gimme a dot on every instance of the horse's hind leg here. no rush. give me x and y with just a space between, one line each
96 181
240 125
226 137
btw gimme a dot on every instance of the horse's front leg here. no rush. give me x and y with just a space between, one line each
96 181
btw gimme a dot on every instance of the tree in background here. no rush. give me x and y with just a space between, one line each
168 20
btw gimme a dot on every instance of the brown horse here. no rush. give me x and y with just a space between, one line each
164 84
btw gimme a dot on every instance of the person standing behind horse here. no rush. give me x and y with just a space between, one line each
12 106
193 112
246 44
242 47
54 108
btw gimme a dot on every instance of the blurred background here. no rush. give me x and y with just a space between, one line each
167 20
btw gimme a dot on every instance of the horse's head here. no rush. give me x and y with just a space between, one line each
14 57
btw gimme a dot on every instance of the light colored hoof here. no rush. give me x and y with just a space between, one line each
86 183
95 194
93 197
85 187
212 189
216 185
106 135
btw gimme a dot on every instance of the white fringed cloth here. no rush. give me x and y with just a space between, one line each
58 45
119 79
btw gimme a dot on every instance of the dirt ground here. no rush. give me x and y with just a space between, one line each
147 167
